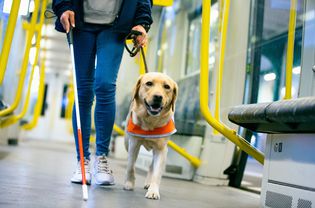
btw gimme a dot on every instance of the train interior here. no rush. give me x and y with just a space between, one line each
244 114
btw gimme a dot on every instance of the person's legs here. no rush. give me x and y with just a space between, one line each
110 48
84 54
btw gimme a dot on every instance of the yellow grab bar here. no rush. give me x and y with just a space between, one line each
224 26
163 3
204 90
192 159
40 99
8 38
290 50
13 119
18 95
119 130
196 162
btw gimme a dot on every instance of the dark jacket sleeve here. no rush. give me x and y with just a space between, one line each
143 13
60 6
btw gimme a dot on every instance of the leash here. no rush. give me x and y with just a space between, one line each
135 49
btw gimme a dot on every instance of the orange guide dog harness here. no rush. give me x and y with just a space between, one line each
164 131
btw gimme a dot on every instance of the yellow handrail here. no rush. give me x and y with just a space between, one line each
8 38
162 2
194 161
40 99
204 90
290 50
224 26
119 130
13 119
18 95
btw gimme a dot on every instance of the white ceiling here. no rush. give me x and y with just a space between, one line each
58 57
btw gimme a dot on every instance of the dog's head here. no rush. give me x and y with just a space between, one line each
157 92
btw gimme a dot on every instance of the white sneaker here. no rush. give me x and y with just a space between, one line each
103 175
77 175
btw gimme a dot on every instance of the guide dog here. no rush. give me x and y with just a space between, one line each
150 122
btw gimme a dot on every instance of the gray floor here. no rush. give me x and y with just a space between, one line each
36 174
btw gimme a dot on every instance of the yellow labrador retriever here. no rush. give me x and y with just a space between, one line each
150 123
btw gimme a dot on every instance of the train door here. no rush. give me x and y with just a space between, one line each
265 76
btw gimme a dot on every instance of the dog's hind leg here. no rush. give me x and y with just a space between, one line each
149 176
159 159
133 150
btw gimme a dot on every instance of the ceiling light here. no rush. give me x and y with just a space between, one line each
296 70
270 77
168 23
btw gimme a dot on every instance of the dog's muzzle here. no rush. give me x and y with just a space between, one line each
155 108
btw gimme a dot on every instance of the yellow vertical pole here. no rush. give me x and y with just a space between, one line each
8 38
18 95
204 90
290 51
40 98
13 119
224 27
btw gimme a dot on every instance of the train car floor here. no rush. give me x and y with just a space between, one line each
37 174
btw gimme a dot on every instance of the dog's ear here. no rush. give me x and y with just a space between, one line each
175 93
135 94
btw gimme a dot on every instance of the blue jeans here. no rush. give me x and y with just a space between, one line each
96 77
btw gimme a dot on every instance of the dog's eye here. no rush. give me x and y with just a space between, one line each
166 86
149 84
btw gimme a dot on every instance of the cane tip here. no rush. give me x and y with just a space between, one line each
85 192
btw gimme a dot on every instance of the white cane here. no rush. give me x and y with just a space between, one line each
77 112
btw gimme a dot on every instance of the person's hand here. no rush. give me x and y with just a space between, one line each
67 19
141 39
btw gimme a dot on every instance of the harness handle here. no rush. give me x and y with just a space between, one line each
135 49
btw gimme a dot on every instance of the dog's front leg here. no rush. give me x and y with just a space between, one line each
159 159
149 176
133 150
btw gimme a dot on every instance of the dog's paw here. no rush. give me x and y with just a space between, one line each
129 186
146 186
152 194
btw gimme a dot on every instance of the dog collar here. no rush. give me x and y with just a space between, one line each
164 131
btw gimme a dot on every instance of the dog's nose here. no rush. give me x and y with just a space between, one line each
157 98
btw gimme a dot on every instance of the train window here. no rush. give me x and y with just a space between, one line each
194 35
178 41
268 45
